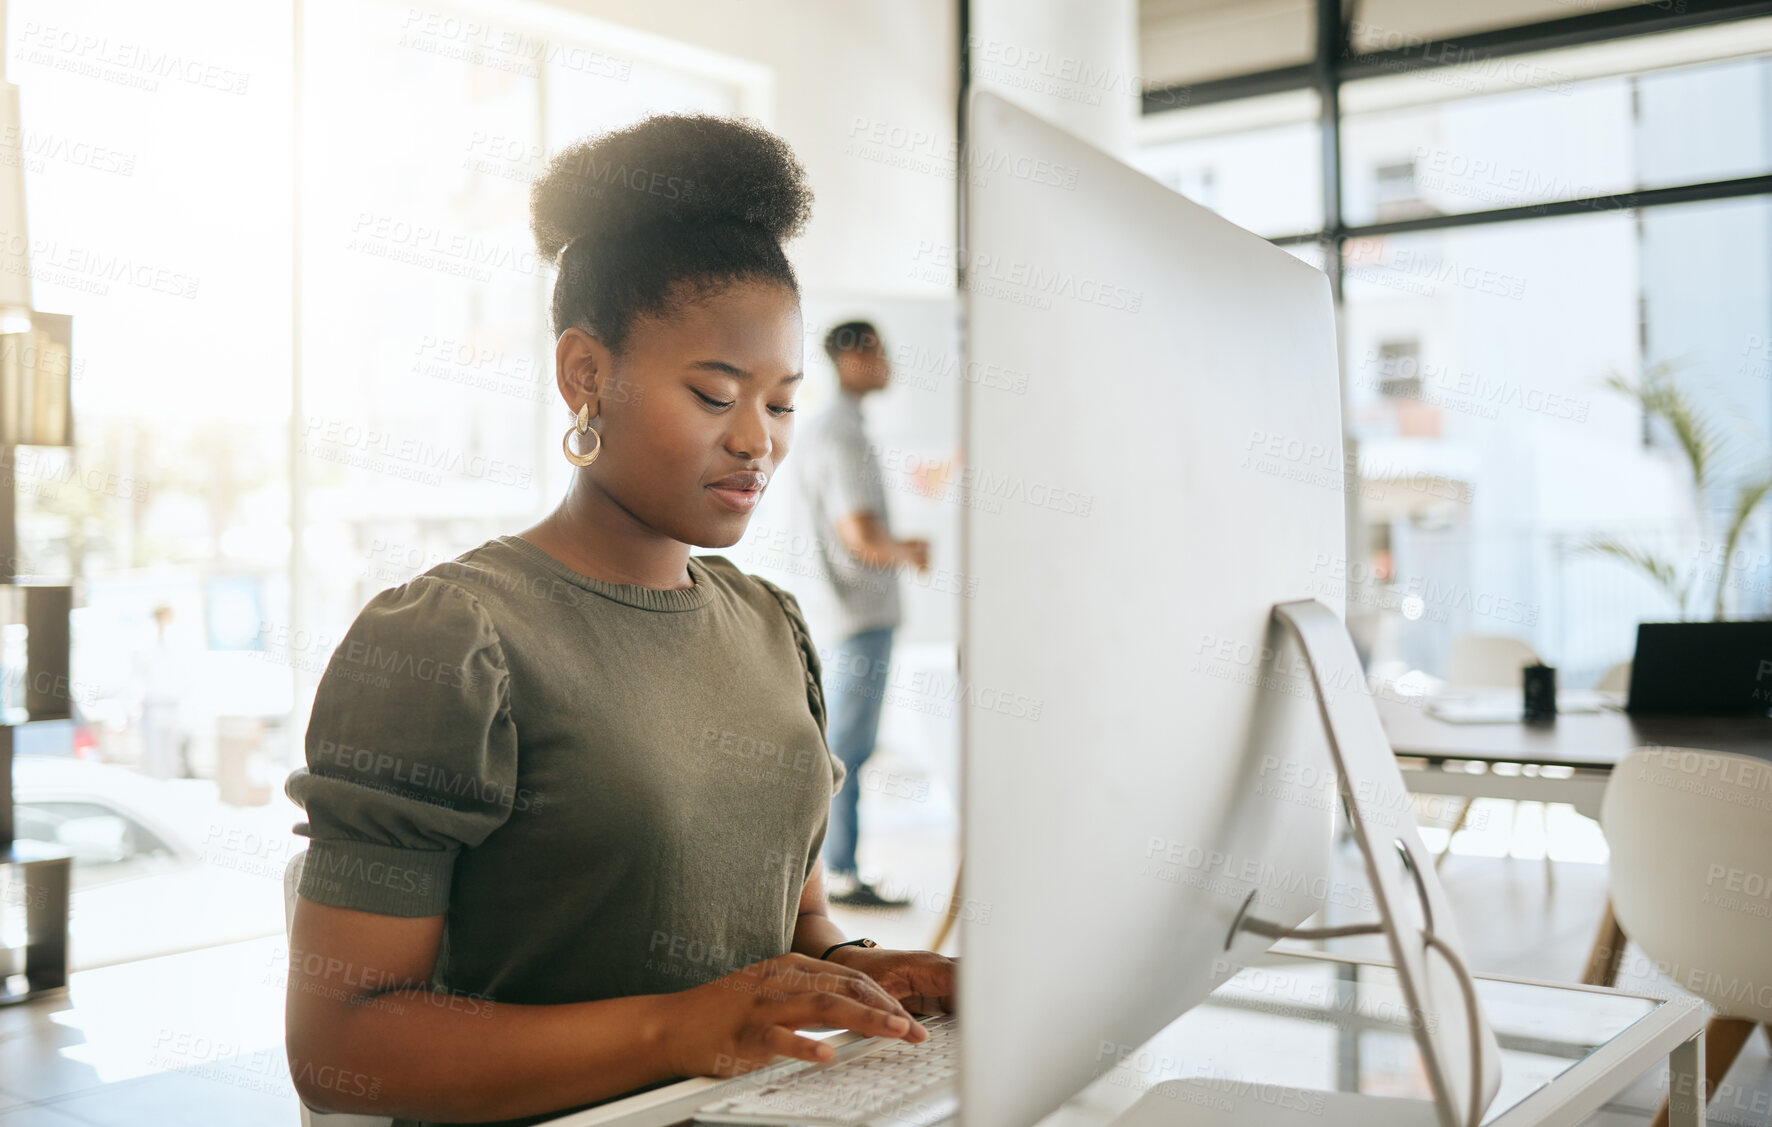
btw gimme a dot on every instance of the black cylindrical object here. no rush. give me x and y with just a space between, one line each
1541 691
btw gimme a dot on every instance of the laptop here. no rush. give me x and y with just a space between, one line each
1702 669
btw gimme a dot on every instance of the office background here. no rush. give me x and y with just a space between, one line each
310 352
311 355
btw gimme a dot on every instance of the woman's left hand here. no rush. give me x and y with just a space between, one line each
922 981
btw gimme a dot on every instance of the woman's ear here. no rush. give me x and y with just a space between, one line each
582 366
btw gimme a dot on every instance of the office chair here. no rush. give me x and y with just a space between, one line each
1488 661
1616 679
1690 836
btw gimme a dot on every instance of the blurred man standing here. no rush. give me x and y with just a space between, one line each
162 683
851 596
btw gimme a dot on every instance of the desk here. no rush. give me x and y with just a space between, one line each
1580 748
1311 1021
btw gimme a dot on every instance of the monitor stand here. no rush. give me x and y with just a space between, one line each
1458 1050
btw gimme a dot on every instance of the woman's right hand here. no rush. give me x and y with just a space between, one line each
744 1020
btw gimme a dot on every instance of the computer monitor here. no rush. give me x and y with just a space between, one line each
1144 759
1702 668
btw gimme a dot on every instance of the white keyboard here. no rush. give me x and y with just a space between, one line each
893 1084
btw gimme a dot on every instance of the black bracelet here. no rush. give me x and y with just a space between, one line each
848 943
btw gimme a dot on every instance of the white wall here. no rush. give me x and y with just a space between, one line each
865 94
1073 62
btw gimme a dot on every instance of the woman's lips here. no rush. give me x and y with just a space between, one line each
738 500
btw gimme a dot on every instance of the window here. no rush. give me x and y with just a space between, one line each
1395 195
1500 300
1267 177
94 834
1558 140
1399 369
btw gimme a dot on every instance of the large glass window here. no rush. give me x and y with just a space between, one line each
1511 482
1234 175
1557 141
1481 356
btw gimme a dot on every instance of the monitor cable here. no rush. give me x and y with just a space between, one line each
1466 984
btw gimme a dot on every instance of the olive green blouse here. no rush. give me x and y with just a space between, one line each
605 789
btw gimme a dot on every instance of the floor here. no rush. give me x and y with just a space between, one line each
187 1039
196 1038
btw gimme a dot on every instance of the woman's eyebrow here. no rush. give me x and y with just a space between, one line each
735 371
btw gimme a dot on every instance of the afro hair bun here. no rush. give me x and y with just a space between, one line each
695 169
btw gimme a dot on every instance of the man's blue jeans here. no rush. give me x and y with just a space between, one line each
854 687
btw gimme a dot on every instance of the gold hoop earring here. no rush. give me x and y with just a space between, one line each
582 425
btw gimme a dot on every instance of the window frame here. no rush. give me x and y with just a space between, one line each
1335 64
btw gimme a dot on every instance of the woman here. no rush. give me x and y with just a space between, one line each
576 778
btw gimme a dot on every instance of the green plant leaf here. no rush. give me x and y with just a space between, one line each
1659 570
1699 436
1746 501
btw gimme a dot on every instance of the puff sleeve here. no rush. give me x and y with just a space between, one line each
411 751
813 668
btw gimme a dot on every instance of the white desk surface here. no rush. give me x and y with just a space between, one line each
1310 1021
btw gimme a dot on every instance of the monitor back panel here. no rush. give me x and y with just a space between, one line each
1160 464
